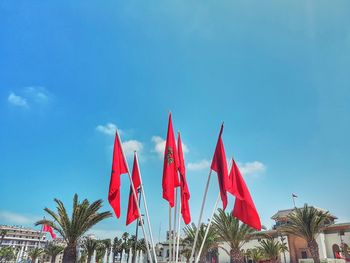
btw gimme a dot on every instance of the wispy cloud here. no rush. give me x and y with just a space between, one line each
15 218
159 146
197 166
37 94
130 146
108 129
17 100
252 168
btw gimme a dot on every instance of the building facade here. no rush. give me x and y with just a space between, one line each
22 239
333 241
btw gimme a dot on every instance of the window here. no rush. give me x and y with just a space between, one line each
303 254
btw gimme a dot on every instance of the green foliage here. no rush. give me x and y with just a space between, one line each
53 250
271 249
7 254
35 253
84 216
306 222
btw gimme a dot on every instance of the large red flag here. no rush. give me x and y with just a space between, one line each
185 193
244 208
170 178
119 167
219 165
49 229
133 212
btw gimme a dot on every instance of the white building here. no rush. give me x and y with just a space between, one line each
22 239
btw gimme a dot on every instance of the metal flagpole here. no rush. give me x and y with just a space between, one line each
200 215
175 221
178 233
137 222
147 215
207 230
170 236
137 205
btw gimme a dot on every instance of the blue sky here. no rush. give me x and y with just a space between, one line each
276 72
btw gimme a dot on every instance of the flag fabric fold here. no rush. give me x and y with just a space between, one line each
244 208
185 193
219 165
49 229
170 178
119 167
133 212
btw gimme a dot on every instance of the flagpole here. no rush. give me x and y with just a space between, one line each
207 230
136 202
170 236
178 233
200 215
146 210
175 221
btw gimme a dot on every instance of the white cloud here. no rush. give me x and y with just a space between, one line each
17 100
130 146
252 168
14 218
37 93
197 166
159 146
104 234
109 129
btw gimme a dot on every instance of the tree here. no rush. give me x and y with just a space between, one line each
84 216
89 245
35 253
100 251
233 232
108 245
271 249
210 242
255 254
7 254
3 233
186 252
307 223
53 250
117 247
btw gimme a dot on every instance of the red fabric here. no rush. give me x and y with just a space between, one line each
132 207
170 178
219 165
119 167
49 229
185 193
244 208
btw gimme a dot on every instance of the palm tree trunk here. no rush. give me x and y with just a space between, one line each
53 259
313 248
236 256
69 254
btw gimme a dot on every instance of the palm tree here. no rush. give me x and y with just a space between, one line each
186 252
100 251
255 254
53 250
89 245
234 233
7 254
307 223
35 253
210 242
84 216
3 233
108 245
117 247
271 249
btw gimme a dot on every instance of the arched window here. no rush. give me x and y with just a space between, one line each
336 251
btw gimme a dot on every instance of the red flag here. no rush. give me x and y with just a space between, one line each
244 208
185 193
219 165
119 167
49 229
170 178
133 213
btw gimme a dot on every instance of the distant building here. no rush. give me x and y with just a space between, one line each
22 239
334 238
